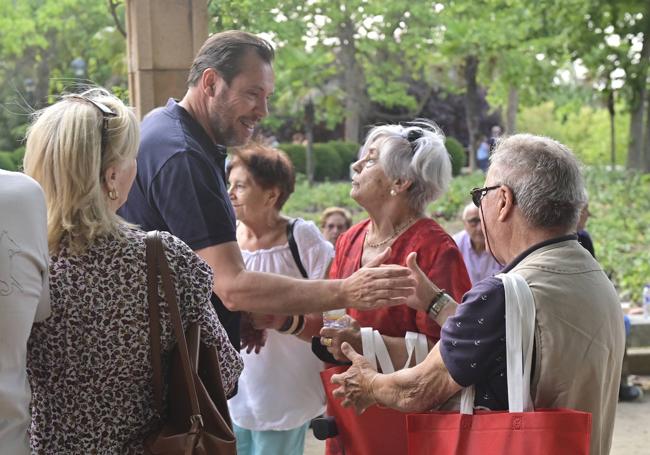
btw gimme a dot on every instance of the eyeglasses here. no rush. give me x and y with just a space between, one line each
106 112
473 221
479 193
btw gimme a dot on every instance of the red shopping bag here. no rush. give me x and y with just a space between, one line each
540 432
378 431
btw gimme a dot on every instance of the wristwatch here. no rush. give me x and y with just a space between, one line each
437 304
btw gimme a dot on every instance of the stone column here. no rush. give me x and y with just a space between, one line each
162 38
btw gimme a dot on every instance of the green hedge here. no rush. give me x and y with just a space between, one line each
12 161
331 159
7 162
457 155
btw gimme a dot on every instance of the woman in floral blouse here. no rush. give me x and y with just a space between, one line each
89 363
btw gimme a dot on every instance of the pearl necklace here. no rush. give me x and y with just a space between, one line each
397 232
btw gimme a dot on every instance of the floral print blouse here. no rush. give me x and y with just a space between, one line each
89 364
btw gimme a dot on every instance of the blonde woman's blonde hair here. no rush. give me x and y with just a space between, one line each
65 154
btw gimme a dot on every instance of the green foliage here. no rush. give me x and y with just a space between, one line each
619 226
332 159
6 162
38 41
348 152
309 202
585 130
457 155
297 153
451 204
327 162
17 157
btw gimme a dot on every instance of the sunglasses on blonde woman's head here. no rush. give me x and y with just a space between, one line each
106 112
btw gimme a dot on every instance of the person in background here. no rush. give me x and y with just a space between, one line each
280 389
471 242
89 363
24 299
495 134
180 187
483 154
529 208
334 221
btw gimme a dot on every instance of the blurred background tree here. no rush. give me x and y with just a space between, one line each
466 64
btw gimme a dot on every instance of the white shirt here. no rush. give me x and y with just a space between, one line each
280 388
24 298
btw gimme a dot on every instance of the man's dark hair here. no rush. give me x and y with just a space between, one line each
224 52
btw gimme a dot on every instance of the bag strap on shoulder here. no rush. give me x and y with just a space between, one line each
520 335
156 250
294 247
154 321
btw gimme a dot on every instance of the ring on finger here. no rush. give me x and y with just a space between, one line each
326 341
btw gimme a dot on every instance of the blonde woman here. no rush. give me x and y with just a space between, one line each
89 363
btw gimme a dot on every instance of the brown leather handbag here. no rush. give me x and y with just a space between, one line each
197 420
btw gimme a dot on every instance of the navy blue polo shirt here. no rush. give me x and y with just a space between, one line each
180 188
473 341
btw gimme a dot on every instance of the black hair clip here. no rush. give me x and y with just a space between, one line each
414 134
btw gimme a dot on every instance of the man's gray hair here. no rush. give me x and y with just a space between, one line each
414 152
544 176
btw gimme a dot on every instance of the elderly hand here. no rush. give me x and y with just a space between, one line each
252 339
356 382
372 286
425 290
348 331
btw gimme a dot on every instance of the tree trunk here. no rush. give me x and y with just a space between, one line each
513 106
639 94
611 108
309 132
635 142
644 162
42 89
472 103
354 84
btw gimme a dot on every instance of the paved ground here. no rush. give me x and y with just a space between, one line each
631 431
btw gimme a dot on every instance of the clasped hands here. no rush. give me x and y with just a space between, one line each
356 384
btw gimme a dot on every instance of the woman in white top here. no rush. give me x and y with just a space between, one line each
280 389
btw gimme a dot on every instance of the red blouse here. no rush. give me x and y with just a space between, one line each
438 257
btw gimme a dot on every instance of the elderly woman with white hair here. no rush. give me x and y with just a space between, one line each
89 364
402 169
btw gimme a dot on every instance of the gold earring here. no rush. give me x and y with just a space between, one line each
393 192
112 195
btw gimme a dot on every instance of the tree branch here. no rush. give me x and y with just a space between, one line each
113 4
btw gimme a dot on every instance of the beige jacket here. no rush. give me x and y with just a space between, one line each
579 335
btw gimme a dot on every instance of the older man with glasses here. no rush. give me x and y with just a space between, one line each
528 208
479 261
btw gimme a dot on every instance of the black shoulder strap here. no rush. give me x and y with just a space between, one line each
294 247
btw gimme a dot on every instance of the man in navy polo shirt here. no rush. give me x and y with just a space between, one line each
180 187
528 209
